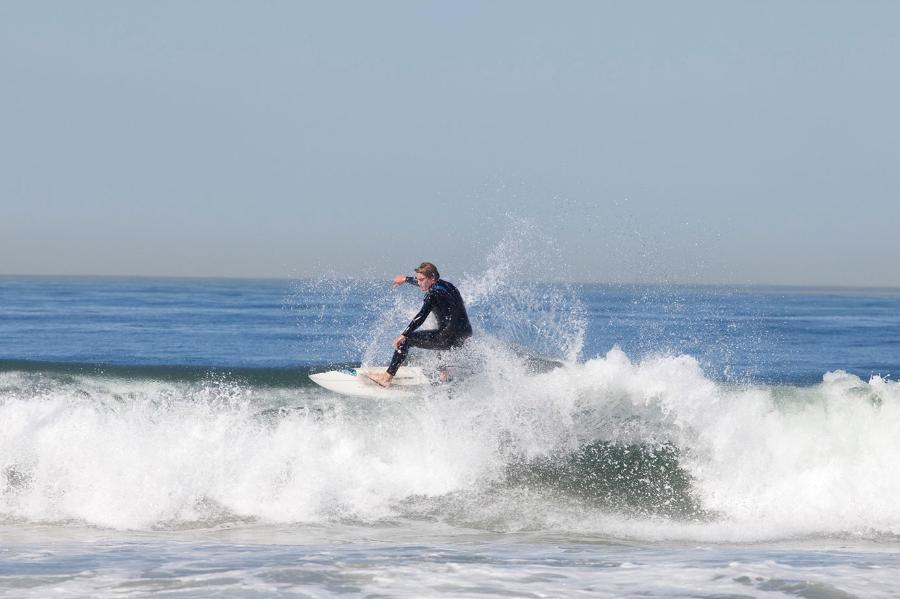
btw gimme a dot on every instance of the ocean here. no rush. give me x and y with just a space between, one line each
161 436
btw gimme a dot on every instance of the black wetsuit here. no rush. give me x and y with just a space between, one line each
453 323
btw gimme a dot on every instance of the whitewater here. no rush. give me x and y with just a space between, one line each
162 437
521 452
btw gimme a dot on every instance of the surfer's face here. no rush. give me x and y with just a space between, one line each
424 282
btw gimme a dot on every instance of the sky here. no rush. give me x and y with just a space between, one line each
686 142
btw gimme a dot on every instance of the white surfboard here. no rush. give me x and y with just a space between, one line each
354 382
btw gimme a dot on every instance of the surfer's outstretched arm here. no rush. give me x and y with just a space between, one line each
400 279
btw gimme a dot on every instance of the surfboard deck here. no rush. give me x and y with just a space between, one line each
354 382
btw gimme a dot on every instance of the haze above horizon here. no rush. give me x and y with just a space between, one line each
697 142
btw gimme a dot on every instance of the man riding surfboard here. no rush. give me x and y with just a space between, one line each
441 298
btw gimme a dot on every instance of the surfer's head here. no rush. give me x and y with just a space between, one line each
427 275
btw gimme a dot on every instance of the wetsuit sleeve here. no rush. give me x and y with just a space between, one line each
419 318
411 281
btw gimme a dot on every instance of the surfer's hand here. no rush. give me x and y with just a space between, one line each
399 341
399 280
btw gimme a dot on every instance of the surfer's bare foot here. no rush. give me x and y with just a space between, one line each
383 378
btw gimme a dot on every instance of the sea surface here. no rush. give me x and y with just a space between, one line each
161 436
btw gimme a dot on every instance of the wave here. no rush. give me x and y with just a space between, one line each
652 449
63 372
634 479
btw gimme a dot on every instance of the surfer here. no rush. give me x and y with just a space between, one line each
444 300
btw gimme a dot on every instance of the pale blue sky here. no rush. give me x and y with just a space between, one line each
719 142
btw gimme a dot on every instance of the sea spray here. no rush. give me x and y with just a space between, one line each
508 298
512 297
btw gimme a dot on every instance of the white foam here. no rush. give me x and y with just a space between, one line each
766 462
422 569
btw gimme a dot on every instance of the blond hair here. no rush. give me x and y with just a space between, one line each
429 270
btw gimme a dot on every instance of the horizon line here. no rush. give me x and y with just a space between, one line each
815 286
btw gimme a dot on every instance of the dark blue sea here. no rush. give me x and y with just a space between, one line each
275 328
162 436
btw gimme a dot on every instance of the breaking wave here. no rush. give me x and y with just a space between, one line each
609 446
